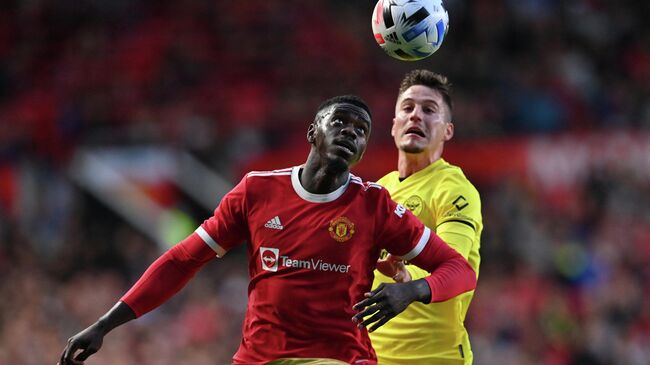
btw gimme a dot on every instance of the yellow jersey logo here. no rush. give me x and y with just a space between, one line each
414 204
460 203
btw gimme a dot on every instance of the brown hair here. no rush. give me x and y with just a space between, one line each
430 79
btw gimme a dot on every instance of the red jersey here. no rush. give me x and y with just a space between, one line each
311 258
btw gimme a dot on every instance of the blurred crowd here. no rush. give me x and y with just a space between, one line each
216 76
560 284
569 282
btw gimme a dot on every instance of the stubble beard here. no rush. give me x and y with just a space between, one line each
411 148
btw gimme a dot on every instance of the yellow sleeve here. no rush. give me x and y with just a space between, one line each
458 214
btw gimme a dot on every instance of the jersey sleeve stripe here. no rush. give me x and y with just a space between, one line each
251 174
419 247
210 242
459 221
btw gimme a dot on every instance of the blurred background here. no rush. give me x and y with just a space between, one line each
122 124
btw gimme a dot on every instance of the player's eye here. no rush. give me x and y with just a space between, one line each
430 109
337 122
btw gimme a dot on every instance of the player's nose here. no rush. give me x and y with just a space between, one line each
416 113
349 131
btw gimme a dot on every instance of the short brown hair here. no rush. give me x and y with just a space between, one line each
430 79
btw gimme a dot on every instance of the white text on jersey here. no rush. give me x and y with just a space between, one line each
312 264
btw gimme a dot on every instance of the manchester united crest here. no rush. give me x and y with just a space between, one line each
341 229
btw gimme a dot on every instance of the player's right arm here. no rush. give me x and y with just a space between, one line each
90 340
166 276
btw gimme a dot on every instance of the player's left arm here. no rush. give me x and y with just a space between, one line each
408 238
450 275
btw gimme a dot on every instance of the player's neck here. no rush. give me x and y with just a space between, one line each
410 163
322 178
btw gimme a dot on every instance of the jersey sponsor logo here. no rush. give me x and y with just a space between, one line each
399 210
341 229
269 258
460 203
274 223
314 264
414 204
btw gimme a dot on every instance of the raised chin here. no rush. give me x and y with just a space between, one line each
412 146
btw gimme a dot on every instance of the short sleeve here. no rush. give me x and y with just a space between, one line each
228 227
400 232
458 214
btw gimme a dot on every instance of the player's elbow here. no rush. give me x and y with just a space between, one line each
451 279
469 275
464 275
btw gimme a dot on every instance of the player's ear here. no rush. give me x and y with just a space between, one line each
310 133
449 131
392 129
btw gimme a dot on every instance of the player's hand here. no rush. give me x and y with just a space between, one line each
88 341
387 301
395 268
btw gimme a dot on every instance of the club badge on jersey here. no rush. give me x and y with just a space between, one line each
341 229
414 204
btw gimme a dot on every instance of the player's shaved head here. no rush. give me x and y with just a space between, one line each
351 102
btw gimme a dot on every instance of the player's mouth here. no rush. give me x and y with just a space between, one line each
415 131
347 146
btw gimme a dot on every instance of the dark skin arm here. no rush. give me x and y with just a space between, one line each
389 300
90 340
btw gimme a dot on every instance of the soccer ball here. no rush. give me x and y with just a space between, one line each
410 30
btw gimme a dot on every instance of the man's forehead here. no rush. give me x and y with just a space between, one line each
347 108
421 93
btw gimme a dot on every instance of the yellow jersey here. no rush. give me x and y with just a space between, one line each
445 201
292 361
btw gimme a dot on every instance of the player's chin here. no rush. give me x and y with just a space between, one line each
345 155
338 162
412 147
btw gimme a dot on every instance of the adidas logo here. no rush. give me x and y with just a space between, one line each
274 223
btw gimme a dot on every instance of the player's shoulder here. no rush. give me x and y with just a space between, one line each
366 187
451 170
265 180
389 178
453 175
270 173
